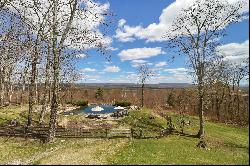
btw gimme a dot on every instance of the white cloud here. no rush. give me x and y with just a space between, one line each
88 70
176 70
161 64
112 48
126 34
136 63
121 22
112 69
81 55
139 61
177 75
234 52
130 72
155 31
149 63
140 53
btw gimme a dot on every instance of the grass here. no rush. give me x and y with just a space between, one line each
10 113
227 145
145 119
178 150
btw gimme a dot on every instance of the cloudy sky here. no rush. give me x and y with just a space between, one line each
136 32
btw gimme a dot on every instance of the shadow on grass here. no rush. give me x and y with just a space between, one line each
233 145
189 135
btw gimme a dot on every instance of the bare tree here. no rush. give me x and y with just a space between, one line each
10 49
195 32
233 73
71 34
47 76
144 73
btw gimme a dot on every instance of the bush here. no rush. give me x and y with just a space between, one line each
171 99
99 94
145 119
122 103
81 103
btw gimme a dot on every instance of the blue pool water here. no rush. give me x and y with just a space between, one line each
87 110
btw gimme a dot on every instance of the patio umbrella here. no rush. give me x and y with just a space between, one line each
119 108
97 109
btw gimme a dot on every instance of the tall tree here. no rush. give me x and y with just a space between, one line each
195 32
78 31
11 32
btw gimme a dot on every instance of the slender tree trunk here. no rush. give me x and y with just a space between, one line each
230 101
142 95
2 88
217 108
10 92
24 78
36 92
9 86
238 100
32 87
22 92
55 87
201 133
46 89
201 91
54 102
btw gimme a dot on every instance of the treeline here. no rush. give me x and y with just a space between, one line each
222 103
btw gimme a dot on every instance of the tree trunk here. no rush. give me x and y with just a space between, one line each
22 94
217 109
2 88
201 133
36 92
24 78
55 87
46 89
10 92
54 102
238 100
9 85
32 87
142 95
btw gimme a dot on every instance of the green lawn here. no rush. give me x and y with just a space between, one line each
177 149
226 145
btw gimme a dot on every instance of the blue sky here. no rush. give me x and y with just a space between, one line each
135 41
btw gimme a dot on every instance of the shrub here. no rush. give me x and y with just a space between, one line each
99 94
145 119
171 99
122 103
81 103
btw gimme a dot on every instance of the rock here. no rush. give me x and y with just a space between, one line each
14 122
15 162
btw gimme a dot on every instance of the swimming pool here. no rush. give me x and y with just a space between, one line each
88 110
